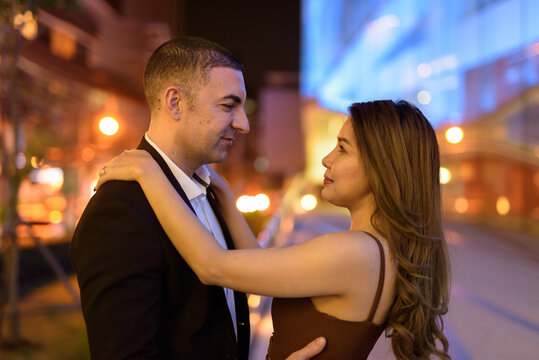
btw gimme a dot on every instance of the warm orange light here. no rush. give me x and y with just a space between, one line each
266 326
55 217
87 154
254 301
445 175
262 202
461 205
27 24
34 162
56 203
247 204
109 126
308 202
454 135
63 44
503 206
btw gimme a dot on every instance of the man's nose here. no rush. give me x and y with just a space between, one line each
240 122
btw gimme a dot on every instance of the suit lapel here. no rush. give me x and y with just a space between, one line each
144 145
217 211
240 299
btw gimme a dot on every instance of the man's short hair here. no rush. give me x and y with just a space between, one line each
186 63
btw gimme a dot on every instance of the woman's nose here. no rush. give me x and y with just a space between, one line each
326 161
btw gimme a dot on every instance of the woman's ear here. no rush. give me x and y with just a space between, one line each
173 99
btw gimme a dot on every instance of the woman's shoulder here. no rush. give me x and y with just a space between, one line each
352 244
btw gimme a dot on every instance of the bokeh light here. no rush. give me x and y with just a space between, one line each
247 204
108 126
445 175
502 205
262 202
424 97
424 70
454 135
55 217
254 301
308 202
461 205
52 176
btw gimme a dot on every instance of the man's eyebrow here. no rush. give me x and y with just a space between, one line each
232 97
344 140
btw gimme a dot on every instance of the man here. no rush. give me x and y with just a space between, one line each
140 300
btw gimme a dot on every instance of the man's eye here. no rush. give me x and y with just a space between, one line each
341 149
228 107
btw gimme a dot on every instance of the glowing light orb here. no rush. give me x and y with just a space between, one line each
461 205
503 206
308 202
445 175
424 97
454 135
108 126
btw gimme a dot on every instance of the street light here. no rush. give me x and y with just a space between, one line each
308 202
454 135
109 126
445 175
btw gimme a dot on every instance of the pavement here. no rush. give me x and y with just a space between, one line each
493 313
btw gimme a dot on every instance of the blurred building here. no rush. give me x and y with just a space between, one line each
85 64
80 67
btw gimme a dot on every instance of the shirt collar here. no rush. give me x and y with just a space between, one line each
192 188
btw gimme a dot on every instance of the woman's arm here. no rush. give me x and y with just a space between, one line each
323 266
239 229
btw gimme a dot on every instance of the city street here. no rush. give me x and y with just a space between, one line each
493 310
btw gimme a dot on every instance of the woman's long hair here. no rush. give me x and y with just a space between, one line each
400 152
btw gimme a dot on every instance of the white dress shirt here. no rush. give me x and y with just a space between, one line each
196 193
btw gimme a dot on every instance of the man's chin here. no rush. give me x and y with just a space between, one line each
219 158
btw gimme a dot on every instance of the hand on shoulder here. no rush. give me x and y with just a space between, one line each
131 165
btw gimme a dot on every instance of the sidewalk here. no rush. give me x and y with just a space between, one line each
58 335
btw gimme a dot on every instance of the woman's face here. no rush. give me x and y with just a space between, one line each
345 181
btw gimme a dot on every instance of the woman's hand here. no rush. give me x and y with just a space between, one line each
217 181
131 165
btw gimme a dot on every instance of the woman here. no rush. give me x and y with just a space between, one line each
389 271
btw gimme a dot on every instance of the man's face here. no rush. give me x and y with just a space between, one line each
217 117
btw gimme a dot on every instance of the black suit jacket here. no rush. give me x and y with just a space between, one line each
140 299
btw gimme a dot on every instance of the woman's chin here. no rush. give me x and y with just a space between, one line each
333 200
327 197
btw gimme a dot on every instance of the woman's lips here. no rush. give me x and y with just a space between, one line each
327 180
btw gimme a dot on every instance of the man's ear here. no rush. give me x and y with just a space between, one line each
173 101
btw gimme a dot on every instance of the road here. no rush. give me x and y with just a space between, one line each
494 307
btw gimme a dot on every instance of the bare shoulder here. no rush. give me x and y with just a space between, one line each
356 246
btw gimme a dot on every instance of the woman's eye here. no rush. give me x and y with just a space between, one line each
341 149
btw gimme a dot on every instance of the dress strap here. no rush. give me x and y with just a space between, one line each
381 279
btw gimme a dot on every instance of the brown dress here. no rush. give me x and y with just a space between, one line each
296 322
